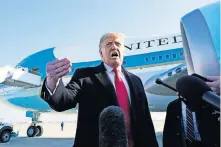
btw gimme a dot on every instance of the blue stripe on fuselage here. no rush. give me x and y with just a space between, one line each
147 59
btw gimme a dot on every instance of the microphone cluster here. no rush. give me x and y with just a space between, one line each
194 92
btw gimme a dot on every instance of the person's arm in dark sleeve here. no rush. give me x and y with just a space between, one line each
64 97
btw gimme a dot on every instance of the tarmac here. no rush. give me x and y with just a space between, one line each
54 137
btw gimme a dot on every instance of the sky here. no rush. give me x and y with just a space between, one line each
75 27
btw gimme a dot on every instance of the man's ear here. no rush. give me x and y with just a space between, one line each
100 53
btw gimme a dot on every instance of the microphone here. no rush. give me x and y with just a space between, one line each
196 92
160 82
201 77
112 128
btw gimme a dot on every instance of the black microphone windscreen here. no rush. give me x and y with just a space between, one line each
158 81
192 88
112 128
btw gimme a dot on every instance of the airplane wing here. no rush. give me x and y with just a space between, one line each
170 77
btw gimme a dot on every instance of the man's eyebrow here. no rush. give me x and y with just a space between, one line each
117 42
113 42
108 43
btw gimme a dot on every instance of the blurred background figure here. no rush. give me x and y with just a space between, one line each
62 126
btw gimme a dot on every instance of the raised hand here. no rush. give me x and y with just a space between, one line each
56 70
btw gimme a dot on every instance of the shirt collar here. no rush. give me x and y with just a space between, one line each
109 68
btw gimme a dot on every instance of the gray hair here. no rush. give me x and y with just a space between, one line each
122 35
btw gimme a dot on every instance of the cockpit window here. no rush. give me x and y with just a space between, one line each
169 74
178 70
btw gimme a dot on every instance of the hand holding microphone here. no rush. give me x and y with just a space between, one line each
196 91
214 84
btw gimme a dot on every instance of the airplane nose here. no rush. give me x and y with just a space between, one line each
147 85
152 87
170 77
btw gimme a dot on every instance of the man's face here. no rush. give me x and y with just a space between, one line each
112 51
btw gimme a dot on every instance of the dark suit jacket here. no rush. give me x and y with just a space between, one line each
208 126
92 89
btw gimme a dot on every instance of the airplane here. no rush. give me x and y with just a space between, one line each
150 58
144 57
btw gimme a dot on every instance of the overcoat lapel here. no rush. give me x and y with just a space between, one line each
108 87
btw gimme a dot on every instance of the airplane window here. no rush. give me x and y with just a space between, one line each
167 56
160 57
181 54
146 59
169 74
174 55
153 58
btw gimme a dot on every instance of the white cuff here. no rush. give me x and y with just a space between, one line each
52 93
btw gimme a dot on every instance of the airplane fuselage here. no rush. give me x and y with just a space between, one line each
144 57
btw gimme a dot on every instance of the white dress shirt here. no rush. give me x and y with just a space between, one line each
51 93
111 75
196 132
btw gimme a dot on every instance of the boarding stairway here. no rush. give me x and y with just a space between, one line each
19 77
